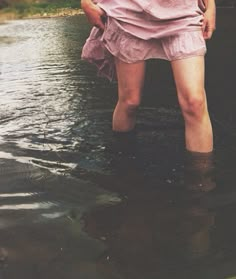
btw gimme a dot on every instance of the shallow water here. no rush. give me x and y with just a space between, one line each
71 205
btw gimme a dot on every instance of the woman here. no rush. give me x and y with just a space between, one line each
127 33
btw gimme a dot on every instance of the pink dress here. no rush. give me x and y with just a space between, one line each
137 30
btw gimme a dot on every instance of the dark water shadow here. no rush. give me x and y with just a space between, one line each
158 231
163 229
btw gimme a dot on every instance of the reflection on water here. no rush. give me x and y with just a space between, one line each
77 203
158 230
152 238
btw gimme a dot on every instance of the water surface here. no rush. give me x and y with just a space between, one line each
71 205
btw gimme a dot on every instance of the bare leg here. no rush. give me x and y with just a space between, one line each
189 78
130 83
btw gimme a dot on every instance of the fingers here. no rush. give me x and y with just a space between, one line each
101 22
100 19
209 24
207 30
204 28
207 33
100 25
96 16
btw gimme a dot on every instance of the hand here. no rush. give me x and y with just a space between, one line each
94 13
209 23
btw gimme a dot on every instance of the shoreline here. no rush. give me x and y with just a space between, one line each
60 12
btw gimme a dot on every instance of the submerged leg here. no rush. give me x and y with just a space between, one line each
199 171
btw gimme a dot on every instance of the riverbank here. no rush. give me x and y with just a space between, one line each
31 12
12 15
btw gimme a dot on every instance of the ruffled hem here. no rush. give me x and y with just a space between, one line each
101 47
95 52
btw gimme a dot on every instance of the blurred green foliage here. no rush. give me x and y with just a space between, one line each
23 8
30 7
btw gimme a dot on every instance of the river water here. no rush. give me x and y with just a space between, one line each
71 205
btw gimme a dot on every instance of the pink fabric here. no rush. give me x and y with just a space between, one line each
144 29
148 19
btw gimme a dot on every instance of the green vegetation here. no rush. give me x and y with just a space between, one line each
27 8
23 8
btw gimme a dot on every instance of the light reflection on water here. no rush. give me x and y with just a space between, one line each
73 205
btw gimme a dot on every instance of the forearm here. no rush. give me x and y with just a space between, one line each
209 22
210 4
86 3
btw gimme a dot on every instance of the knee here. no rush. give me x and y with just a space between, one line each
130 104
194 106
